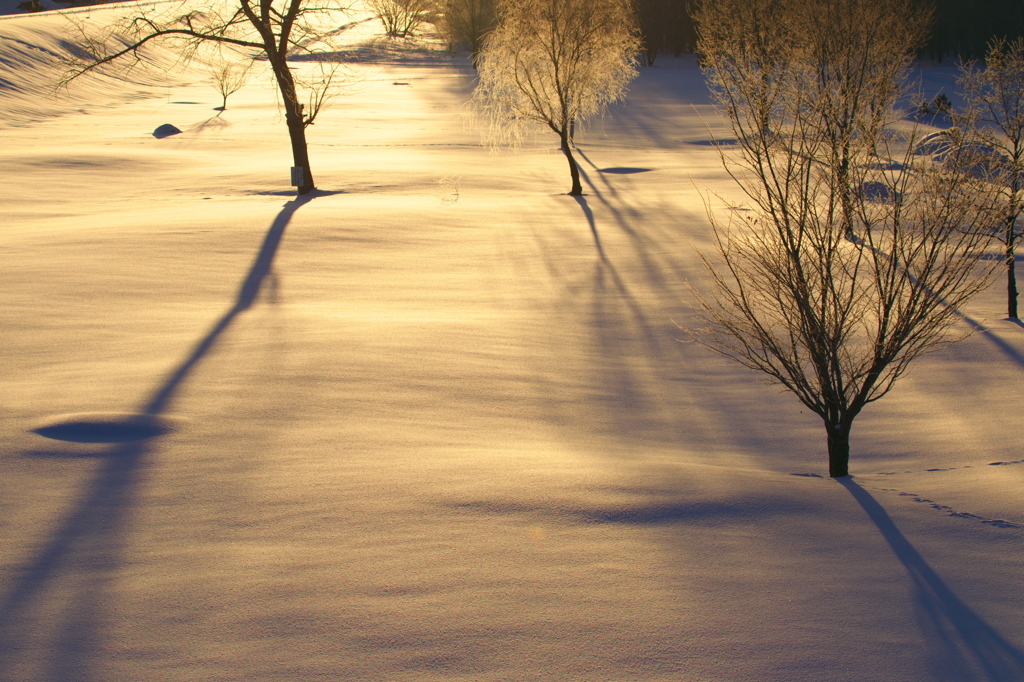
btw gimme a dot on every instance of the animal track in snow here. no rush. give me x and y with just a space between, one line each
966 466
893 473
998 523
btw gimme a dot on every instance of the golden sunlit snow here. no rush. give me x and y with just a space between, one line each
437 421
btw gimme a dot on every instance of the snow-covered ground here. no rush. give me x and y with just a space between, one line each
436 422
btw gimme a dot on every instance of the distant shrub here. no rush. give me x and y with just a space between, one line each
402 17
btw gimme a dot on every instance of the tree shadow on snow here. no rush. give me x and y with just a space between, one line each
993 338
247 294
625 217
57 604
213 123
605 266
1009 351
589 215
970 648
628 399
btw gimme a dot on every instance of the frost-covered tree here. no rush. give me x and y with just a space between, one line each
275 29
859 53
995 96
747 51
855 55
838 277
554 63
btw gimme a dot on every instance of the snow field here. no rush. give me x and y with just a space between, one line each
436 423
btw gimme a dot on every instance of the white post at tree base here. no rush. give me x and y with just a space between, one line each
298 176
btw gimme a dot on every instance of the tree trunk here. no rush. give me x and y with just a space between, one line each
577 188
845 189
1011 277
297 133
293 116
838 450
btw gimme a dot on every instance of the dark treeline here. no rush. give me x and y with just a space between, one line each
666 28
960 28
963 28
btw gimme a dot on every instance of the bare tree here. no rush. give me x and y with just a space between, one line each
277 29
835 281
402 17
228 76
747 48
995 97
555 63
465 23
859 52
855 54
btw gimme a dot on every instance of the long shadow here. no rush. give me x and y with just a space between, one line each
622 221
608 186
65 581
589 215
968 642
615 318
607 266
1008 350
74 566
246 296
640 241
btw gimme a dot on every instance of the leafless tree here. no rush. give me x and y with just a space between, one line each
465 23
276 29
995 97
747 49
402 17
855 54
228 76
859 52
554 63
834 281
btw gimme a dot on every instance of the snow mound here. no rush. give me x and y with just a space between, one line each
166 130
